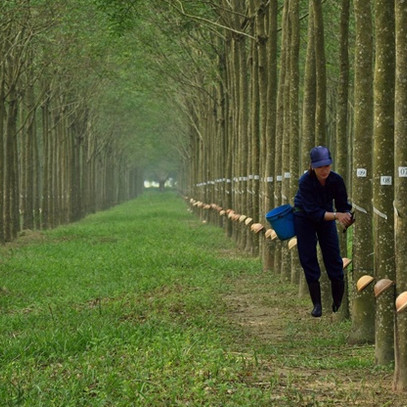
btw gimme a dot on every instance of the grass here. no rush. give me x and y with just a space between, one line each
119 309
144 305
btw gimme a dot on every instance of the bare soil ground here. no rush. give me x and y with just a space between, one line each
298 361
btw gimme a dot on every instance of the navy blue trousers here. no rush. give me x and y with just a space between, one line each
309 234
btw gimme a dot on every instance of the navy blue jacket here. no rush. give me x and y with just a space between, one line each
314 199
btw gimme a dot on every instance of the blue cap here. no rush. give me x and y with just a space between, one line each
320 156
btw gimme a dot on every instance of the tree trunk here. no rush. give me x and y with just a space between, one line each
400 192
261 36
11 201
285 164
294 147
383 170
308 113
278 159
45 205
310 96
341 163
271 121
363 306
2 164
29 173
252 192
241 81
320 72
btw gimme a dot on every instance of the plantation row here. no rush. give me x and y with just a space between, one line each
63 152
293 75
95 94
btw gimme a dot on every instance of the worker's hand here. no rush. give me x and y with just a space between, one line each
344 218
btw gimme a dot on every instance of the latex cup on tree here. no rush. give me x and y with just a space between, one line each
292 243
363 282
268 233
401 302
242 218
257 227
382 285
346 262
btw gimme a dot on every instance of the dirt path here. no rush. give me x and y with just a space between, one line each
296 358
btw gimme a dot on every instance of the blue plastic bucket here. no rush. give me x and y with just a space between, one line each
281 220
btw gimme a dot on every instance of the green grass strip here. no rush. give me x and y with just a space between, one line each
145 305
123 308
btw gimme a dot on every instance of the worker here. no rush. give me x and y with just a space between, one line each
320 201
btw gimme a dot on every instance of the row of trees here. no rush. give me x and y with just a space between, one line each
75 128
281 77
253 85
58 163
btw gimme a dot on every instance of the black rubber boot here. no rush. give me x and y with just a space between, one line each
337 288
315 292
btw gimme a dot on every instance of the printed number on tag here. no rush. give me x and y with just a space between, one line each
385 180
361 172
402 171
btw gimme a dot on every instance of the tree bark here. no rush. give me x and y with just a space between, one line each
2 164
400 191
383 170
45 205
262 38
11 194
320 72
363 306
278 159
310 97
341 163
294 131
271 120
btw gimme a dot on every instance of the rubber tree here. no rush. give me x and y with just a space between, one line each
308 111
271 119
320 113
363 304
383 170
342 149
262 37
320 74
279 140
14 63
400 190
285 270
294 127
252 188
17 33
309 95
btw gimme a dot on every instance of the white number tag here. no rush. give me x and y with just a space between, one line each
386 180
361 172
402 171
